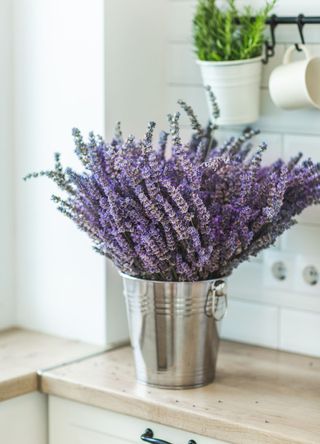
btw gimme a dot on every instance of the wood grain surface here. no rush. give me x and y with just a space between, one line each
259 395
23 353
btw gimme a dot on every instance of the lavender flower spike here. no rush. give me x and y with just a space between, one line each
194 215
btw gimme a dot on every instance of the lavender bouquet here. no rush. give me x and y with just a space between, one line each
193 215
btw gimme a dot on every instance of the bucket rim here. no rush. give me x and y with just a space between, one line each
134 278
229 62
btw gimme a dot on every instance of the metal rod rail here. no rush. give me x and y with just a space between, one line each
290 20
294 20
273 21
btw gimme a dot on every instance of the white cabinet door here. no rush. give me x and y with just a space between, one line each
74 423
23 420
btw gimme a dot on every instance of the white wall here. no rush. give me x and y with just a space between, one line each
59 84
134 85
135 41
79 65
6 167
85 64
263 311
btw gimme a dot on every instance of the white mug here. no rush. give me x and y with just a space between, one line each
296 84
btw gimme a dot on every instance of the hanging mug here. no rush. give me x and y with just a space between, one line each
296 84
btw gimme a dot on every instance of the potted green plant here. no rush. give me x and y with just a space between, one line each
229 46
176 226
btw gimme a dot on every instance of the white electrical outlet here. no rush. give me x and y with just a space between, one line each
307 274
278 270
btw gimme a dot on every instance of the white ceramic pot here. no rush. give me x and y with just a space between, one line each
236 85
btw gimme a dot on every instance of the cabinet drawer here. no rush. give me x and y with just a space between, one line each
74 423
23 420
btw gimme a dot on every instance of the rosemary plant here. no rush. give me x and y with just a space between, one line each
222 34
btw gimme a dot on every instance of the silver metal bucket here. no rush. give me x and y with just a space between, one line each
173 330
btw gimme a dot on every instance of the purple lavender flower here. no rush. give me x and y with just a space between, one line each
194 215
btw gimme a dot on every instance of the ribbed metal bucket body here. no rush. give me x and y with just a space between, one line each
173 331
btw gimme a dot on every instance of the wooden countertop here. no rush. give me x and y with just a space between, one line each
259 396
23 353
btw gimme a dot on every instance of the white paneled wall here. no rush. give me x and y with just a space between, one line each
6 167
134 47
84 64
89 64
262 310
58 84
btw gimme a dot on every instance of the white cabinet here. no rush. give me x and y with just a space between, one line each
23 420
74 423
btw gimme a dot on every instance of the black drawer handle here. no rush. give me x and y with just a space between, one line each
147 436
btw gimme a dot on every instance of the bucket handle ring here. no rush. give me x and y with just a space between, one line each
217 291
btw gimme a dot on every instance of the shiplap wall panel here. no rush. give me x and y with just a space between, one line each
248 283
244 317
302 239
305 121
194 95
186 72
296 339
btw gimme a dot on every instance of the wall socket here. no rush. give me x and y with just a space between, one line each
278 270
298 273
307 274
